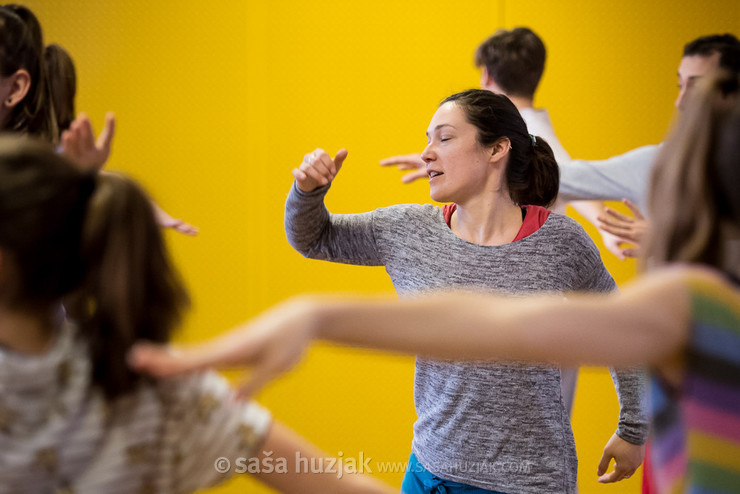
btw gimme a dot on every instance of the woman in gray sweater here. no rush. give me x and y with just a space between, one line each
482 427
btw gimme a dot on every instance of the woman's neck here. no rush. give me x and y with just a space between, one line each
490 220
26 332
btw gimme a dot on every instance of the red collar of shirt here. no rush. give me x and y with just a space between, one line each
534 218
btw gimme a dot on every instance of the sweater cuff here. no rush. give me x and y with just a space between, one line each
633 433
318 191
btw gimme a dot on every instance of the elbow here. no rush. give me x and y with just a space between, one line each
301 247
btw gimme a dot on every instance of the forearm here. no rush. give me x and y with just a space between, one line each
306 217
631 387
300 477
623 176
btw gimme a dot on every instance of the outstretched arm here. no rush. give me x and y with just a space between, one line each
647 322
412 162
626 175
165 220
281 442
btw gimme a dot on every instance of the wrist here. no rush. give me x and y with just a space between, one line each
311 314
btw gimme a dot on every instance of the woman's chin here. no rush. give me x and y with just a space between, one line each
438 194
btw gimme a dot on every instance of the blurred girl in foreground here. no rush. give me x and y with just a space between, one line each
73 416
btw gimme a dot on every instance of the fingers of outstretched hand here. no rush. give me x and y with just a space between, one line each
614 245
185 228
610 214
157 360
414 176
624 227
86 132
180 227
614 229
631 252
633 207
70 144
404 161
105 138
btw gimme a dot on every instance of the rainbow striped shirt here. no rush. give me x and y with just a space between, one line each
696 427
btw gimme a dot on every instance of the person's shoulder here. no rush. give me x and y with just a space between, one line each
570 236
190 389
560 224
418 212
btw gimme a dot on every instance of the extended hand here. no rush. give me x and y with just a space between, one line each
79 144
165 220
627 458
270 345
624 229
408 162
318 169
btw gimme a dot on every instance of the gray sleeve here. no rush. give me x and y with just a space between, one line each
318 234
623 176
630 384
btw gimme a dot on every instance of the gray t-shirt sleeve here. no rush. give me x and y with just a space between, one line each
318 234
630 384
623 176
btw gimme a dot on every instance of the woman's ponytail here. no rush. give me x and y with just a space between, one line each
132 291
540 183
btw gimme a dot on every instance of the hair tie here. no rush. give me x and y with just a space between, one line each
533 139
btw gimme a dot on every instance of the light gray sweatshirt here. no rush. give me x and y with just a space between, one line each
499 426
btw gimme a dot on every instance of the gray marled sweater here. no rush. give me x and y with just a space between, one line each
499 426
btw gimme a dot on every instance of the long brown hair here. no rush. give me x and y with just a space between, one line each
92 242
132 291
22 47
43 200
695 188
62 80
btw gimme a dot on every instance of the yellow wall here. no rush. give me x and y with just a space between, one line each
217 101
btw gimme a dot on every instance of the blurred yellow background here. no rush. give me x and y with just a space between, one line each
217 101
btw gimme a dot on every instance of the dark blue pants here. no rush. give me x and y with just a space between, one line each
420 481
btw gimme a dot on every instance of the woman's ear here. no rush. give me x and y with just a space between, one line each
19 83
500 149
